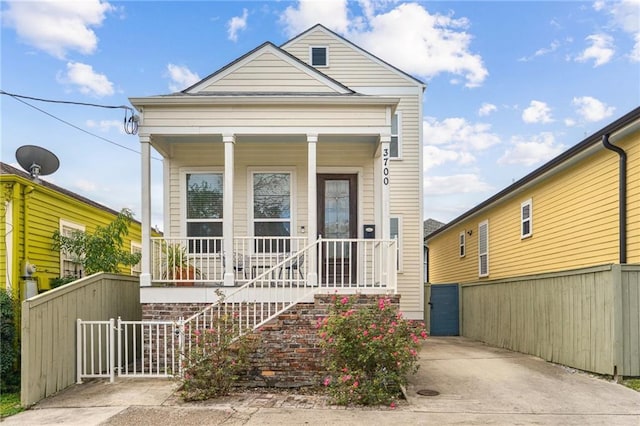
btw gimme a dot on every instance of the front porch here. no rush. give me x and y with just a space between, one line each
271 269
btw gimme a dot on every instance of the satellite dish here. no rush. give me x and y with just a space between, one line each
37 160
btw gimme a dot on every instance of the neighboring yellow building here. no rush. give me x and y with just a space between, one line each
550 266
30 213
564 215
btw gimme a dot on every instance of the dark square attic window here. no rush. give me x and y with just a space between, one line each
319 56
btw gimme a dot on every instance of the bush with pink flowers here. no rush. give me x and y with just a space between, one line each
369 351
215 360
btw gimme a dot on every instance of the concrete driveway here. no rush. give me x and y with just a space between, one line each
476 384
480 384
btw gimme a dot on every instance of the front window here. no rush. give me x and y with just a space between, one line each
525 219
483 249
462 244
395 147
272 211
70 264
204 210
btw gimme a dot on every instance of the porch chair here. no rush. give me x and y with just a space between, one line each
295 264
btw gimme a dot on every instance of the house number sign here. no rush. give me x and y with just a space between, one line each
385 166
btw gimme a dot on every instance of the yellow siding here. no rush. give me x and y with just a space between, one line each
268 73
575 224
632 147
347 65
37 214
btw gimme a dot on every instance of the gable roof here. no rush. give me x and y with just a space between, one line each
6 169
359 49
282 55
431 225
591 142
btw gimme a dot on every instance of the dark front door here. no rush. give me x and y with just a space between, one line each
444 310
337 220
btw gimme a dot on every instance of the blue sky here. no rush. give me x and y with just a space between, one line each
511 84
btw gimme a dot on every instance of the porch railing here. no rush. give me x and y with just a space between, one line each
337 263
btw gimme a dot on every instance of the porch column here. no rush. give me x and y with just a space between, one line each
145 275
312 208
227 209
385 232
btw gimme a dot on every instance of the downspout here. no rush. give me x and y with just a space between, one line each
622 196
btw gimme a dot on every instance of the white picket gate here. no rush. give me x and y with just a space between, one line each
128 348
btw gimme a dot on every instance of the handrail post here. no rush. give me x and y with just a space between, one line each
181 345
112 350
119 345
79 351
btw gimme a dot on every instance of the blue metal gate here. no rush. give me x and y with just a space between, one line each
445 310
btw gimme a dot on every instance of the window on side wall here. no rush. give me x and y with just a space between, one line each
462 251
483 249
395 147
135 249
70 264
395 228
204 202
271 212
526 215
319 56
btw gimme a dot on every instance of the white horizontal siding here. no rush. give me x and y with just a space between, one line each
268 73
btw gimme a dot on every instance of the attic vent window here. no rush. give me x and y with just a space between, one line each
319 56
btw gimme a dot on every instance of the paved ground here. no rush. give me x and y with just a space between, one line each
476 384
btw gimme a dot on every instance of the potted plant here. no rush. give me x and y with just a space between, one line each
177 266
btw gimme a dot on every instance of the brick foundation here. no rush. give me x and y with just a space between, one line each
288 353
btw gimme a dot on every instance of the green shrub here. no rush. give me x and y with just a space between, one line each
215 361
9 362
369 352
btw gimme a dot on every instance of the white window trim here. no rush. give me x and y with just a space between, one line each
250 219
326 49
136 247
523 220
399 135
399 242
462 244
74 226
183 193
480 274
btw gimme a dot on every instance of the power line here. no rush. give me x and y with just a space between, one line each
19 99
130 122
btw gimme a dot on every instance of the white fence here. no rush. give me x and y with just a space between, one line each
128 348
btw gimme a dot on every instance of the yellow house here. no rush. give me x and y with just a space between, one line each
554 256
31 211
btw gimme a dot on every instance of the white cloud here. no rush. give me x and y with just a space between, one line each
601 49
330 13
537 112
407 36
534 150
181 77
569 122
625 15
592 109
434 156
455 184
237 23
487 109
541 52
57 27
105 125
86 79
457 133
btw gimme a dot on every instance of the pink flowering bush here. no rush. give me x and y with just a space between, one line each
369 352
215 361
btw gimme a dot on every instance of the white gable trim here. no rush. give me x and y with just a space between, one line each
351 45
268 48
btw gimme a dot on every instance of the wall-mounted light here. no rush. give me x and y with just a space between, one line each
470 232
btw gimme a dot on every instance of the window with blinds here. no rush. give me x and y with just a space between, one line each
483 249
526 212
204 210
70 264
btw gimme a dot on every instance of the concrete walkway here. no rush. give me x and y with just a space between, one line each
475 384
